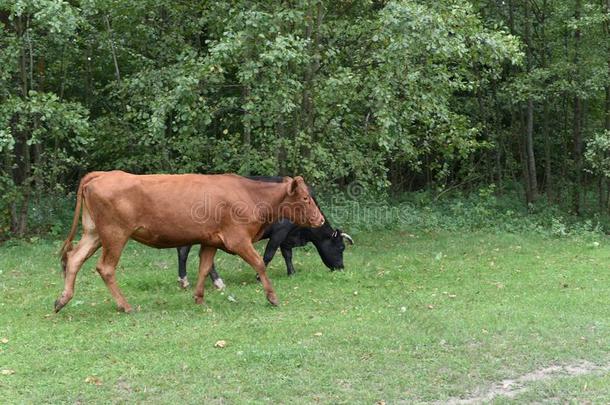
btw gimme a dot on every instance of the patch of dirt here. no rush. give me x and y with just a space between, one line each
511 387
123 386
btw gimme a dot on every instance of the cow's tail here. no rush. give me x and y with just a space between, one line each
67 246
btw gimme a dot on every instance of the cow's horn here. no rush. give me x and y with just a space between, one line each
349 238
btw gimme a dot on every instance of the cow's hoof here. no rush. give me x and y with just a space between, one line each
58 305
183 282
273 299
125 308
198 300
219 284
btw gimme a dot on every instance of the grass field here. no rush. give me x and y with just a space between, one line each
423 317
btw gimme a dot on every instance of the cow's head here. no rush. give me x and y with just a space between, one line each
330 246
299 206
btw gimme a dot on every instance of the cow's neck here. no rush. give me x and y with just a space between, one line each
271 196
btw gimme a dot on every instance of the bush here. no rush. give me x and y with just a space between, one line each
51 215
480 211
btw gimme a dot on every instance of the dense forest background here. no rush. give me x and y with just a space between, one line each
508 96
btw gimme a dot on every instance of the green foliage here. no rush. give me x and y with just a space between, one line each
63 125
58 134
407 94
484 210
256 96
424 57
598 154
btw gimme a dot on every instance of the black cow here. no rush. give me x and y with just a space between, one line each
285 235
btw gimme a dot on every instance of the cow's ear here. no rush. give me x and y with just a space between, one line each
293 186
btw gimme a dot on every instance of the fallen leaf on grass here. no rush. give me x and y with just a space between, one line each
430 306
93 380
221 344
4 341
7 371
318 334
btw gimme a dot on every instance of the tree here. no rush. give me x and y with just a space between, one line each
41 136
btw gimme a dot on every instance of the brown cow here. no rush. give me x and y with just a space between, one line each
223 211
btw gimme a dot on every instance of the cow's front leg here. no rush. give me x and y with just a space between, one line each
106 267
206 260
270 250
250 255
287 253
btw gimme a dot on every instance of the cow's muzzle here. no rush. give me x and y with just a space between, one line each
319 222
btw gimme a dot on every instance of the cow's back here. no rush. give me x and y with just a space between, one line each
164 210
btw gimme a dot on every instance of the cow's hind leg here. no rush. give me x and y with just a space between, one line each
183 254
106 266
87 246
251 256
216 279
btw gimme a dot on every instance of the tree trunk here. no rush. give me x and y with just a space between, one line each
577 121
529 127
117 71
281 151
548 163
312 33
499 174
577 154
529 145
247 137
523 156
604 201
22 161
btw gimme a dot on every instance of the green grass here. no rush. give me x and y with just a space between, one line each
418 317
